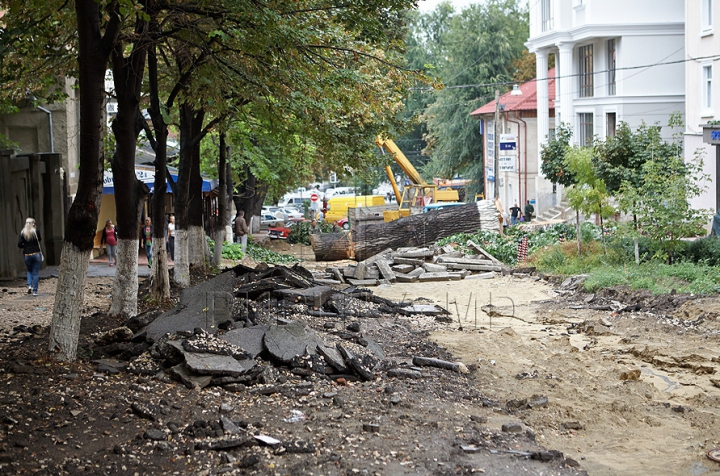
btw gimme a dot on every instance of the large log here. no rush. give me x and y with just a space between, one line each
425 228
360 215
331 246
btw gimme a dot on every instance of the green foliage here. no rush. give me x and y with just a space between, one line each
476 46
662 201
588 194
231 251
300 232
705 251
657 277
553 154
264 255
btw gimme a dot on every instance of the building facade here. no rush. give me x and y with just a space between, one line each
519 173
617 61
702 79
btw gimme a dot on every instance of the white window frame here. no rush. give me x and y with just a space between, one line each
706 17
583 139
546 15
586 71
706 78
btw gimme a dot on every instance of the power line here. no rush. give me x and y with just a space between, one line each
575 75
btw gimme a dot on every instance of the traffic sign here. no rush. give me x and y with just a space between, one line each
314 197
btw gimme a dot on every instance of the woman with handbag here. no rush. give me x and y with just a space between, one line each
30 243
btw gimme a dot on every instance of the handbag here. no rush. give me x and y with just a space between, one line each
42 257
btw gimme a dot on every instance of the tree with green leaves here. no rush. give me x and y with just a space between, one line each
588 194
661 202
479 47
552 156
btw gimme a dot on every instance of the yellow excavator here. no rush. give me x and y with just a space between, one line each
419 194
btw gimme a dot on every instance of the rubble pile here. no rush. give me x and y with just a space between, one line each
260 327
409 265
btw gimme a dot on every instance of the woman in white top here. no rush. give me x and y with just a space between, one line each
170 240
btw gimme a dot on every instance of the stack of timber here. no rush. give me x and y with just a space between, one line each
415 264
424 229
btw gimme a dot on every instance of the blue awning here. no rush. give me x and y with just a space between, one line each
147 176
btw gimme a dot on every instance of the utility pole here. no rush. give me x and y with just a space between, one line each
496 164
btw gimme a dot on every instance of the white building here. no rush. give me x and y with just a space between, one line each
702 76
616 60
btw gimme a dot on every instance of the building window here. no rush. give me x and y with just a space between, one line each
611 67
610 124
707 16
585 129
585 73
547 16
707 87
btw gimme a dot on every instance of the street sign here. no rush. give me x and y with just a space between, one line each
508 142
314 197
507 163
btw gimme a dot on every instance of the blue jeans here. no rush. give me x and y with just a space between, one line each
513 220
32 263
148 253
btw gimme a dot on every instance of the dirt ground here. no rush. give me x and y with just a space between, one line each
617 391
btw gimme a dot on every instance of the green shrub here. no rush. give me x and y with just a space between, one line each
705 250
300 232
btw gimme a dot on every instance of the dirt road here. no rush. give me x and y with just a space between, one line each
636 395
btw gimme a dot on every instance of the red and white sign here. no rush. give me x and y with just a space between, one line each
314 197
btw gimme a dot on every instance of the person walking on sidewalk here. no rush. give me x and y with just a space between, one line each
171 237
146 237
241 229
528 211
109 238
30 243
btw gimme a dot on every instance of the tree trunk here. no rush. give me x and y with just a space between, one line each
130 193
602 231
125 285
577 229
160 285
198 251
425 228
182 263
93 53
222 203
331 246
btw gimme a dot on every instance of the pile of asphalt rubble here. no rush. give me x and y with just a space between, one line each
259 331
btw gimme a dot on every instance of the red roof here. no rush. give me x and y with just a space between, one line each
525 102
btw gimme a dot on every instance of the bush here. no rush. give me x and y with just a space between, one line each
705 251
301 231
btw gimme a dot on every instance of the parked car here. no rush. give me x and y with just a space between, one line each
270 220
291 213
282 231
343 223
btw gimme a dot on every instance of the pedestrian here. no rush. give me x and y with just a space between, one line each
109 238
146 236
30 243
514 214
528 211
170 240
498 206
241 229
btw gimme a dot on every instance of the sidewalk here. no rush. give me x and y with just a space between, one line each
99 268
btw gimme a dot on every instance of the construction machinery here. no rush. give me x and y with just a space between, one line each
418 194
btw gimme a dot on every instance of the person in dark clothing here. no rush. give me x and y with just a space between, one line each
241 229
715 230
528 211
30 243
514 214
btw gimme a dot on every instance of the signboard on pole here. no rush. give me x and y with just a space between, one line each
507 163
508 142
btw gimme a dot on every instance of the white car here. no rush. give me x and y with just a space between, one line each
291 213
270 220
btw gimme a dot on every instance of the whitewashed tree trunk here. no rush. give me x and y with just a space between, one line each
198 251
181 274
69 302
125 285
160 274
229 235
219 242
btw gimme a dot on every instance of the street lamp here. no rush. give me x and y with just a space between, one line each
516 91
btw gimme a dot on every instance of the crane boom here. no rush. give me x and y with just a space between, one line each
401 160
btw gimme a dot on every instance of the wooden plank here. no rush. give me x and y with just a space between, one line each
405 278
473 261
480 250
439 277
412 261
435 268
474 267
385 270
338 275
363 282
